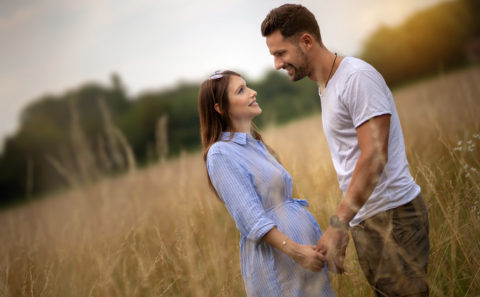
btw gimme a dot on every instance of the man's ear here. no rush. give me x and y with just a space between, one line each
217 108
306 41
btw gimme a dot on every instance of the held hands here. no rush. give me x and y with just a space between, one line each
304 255
333 245
308 257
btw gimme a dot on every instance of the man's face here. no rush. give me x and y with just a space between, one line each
288 55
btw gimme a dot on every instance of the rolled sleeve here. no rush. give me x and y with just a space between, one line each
235 187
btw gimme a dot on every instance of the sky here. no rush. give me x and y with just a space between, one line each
50 46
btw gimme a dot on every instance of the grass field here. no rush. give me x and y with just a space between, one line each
162 232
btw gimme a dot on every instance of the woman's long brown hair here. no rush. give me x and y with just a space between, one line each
212 123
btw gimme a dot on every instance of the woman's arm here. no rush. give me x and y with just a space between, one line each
304 255
236 190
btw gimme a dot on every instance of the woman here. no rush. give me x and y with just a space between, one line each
278 234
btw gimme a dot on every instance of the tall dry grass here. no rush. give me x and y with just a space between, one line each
162 232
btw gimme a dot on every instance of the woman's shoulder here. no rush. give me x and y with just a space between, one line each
222 152
220 147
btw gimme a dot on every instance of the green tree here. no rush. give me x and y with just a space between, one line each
429 41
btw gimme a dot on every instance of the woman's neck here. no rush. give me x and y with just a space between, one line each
242 127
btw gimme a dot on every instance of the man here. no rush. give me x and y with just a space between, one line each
381 206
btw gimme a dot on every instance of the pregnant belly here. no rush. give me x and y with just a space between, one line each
296 222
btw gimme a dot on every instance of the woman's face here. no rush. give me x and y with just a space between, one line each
243 106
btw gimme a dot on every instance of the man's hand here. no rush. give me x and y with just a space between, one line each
333 245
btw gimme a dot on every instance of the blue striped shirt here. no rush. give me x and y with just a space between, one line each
257 192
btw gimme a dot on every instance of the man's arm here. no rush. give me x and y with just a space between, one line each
373 143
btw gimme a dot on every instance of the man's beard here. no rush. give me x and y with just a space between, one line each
302 70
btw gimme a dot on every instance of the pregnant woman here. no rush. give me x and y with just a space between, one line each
278 233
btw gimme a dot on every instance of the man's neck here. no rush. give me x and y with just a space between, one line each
323 67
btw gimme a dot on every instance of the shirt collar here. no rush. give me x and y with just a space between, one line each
238 137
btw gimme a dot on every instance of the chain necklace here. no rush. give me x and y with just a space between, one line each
331 70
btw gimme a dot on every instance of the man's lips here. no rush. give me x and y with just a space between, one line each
289 70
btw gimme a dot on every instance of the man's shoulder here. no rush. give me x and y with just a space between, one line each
357 70
355 65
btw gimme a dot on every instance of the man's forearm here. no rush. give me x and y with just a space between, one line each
373 143
365 176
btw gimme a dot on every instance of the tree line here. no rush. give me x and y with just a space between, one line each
432 40
95 130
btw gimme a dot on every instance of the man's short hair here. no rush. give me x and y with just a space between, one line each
291 20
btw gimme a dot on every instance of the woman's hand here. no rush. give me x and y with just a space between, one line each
308 257
305 255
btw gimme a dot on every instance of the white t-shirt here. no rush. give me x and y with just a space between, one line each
354 94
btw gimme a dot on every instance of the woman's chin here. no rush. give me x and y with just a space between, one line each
256 113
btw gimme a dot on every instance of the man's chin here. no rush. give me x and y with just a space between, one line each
296 78
292 76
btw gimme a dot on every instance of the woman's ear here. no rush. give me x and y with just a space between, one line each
217 108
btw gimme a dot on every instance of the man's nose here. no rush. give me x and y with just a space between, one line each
278 63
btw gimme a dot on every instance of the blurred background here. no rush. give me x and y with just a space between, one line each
96 88
103 190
